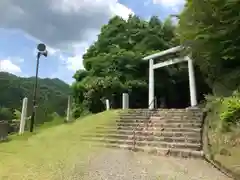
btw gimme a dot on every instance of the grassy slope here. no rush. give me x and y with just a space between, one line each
55 153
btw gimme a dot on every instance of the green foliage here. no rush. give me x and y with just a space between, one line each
52 98
6 114
213 29
52 94
231 114
55 121
80 110
113 65
227 110
17 114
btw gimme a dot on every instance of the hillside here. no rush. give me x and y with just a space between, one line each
52 94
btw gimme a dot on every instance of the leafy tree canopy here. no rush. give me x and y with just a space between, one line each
213 29
52 95
113 65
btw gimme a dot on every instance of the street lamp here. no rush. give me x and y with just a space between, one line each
41 51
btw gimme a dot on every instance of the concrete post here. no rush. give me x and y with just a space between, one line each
125 101
151 85
192 83
69 109
107 104
23 116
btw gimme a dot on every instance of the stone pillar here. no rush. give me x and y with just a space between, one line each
151 85
69 109
23 116
4 127
107 104
192 83
125 101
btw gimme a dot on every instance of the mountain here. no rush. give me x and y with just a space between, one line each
52 94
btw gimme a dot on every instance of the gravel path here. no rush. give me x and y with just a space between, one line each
120 164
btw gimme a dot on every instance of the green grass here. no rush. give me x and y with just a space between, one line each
37 129
54 153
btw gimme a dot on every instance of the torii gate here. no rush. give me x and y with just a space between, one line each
153 66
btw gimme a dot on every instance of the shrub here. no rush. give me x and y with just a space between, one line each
227 110
231 114
6 114
17 114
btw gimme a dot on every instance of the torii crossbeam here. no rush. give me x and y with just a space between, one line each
152 66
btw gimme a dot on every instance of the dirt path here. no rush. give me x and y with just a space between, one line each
119 164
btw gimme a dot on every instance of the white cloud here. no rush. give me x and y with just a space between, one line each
59 23
169 2
62 24
7 65
75 62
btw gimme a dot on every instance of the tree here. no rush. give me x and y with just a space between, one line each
6 114
113 65
213 27
52 95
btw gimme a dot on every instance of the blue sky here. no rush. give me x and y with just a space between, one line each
67 28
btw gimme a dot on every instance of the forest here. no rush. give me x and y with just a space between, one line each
52 95
113 63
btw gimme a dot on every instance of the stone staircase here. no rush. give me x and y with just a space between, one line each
169 132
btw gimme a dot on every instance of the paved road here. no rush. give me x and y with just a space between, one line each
120 164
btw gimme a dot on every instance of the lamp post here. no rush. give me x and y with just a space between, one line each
41 51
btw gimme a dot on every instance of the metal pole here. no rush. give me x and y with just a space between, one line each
35 95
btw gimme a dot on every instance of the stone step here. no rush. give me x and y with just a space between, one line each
198 130
164 133
160 125
183 153
178 118
131 117
160 110
149 129
145 137
187 117
158 118
163 111
154 121
192 146
162 114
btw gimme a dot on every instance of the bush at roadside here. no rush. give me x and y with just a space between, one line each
224 130
226 111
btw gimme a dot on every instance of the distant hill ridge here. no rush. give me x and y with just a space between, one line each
52 94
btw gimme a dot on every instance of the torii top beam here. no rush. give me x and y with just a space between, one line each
163 53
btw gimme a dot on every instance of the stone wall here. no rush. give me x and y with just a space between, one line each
4 128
